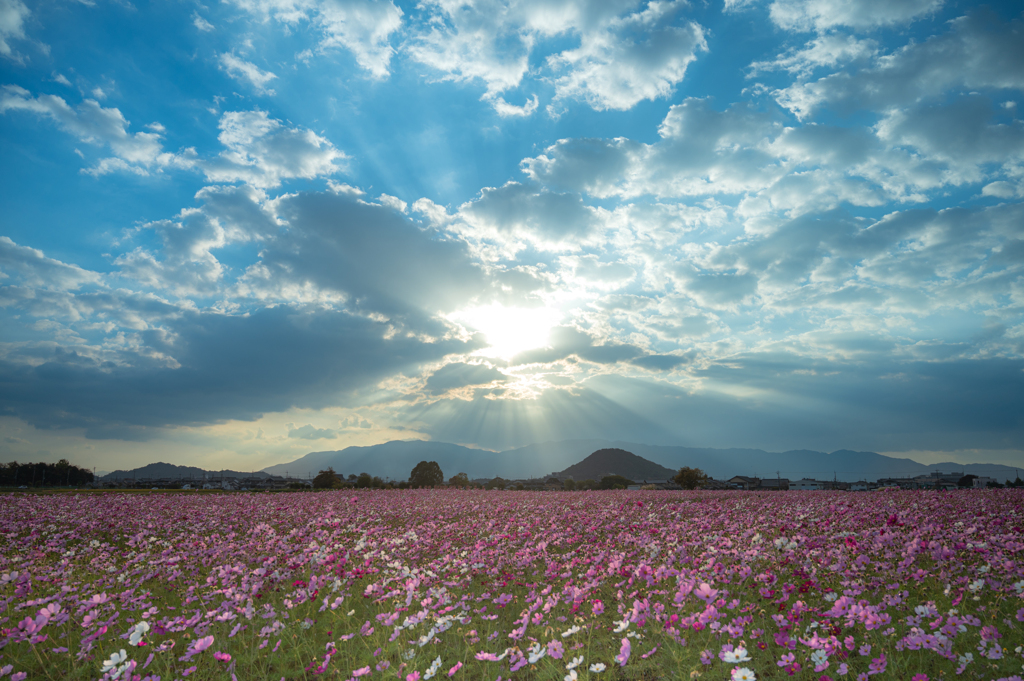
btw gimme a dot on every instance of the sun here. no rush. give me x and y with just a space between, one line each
509 330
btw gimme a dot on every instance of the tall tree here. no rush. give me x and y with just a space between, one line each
327 479
690 478
426 474
459 480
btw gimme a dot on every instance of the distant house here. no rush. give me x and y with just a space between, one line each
806 484
774 484
860 486
983 482
743 482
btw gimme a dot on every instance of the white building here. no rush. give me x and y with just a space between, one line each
982 482
806 484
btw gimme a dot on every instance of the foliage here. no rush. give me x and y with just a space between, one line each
569 485
497 483
327 479
614 482
58 474
459 480
426 474
690 478
677 585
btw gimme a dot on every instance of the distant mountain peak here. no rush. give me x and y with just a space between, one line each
615 461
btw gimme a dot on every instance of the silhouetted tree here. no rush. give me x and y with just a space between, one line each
364 480
615 482
690 478
966 481
569 485
459 480
426 474
497 483
327 479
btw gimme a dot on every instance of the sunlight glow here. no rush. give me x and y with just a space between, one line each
509 330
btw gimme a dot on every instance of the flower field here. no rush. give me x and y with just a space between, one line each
424 584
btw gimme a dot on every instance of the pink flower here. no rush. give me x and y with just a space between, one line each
556 649
705 592
362 671
19 676
415 676
919 677
597 607
202 644
221 657
623 657
457 667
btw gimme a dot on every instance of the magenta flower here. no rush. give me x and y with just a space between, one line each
221 657
623 657
457 667
202 644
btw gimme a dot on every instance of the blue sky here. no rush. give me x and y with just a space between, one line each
235 233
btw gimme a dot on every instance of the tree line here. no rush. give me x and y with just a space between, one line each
429 474
60 474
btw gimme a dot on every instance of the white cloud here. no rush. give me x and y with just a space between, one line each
137 152
975 54
12 25
640 56
625 54
244 71
516 215
821 15
263 152
201 23
824 50
364 27
34 269
702 152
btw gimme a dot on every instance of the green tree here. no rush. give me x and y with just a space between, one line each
615 482
327 479
364 480
497 483
426 474
586 484
459 480
690 478
569 485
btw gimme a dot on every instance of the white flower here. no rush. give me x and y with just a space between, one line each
140 630
435 665
536 651
571 676
598 667
572 630
623 625
115 660
743 674
976 585
1019 587
738 655
576 662
819 657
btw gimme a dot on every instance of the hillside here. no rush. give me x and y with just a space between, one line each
617 462
169 470
394 461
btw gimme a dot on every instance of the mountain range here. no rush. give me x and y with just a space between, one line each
169 470
394 460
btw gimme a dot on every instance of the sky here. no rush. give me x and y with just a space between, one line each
234 233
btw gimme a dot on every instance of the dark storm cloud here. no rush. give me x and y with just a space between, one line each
230 367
